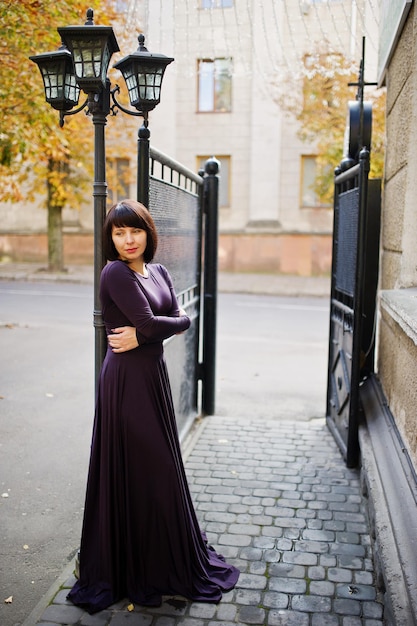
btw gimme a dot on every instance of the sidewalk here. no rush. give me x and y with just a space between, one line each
265 284
277 500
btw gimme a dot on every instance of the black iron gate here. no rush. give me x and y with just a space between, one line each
356 230
184 207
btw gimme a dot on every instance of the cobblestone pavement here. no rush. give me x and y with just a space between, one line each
277 500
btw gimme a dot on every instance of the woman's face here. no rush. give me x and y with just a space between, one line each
130 243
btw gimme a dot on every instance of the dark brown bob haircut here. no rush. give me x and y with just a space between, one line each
129 213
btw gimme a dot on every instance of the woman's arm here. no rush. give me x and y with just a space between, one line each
130 299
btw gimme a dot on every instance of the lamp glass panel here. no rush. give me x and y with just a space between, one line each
132 85
150 84
87 55
53 78
71 88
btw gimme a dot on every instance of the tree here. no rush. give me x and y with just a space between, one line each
33 149
321 108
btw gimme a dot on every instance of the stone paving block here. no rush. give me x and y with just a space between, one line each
290 570
62 614
251 581
290 521
347 607
257 567
349 549
324 620
98 619
247 596
357 592
287 585
275 600
272 531
314 523
234 540
251 615
165 621
321 588
202 610
363 578
316 572
350 562
272 556
351 621
311 604
317 547
373 610
264 542
339 575
251 554
318 535
300 558
287 618
244 529
226 612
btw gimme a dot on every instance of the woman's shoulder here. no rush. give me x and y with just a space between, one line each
158 268
115 268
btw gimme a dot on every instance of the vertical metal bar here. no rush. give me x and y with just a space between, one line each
211 193
143 163
100 108
352 451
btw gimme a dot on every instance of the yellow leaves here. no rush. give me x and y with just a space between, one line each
29 132
321 109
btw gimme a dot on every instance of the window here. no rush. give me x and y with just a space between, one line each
308 179
224 183
215 85
215 4
118 175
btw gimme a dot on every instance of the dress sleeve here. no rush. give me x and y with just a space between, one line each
130 299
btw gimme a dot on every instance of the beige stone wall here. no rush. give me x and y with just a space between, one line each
398 375
397 349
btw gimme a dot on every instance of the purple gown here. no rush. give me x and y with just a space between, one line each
141 539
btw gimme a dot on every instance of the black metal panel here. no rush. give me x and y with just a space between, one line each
353 301
177 212
346 255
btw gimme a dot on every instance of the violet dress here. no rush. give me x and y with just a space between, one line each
141 539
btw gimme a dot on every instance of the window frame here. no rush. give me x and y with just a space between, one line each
214 91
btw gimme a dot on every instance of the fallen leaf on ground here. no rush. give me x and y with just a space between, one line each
131 607
9 600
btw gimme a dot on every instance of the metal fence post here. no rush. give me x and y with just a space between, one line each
211 199
142 194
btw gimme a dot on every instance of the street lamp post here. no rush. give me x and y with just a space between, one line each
82 63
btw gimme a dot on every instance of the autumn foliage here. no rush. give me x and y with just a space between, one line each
37 157
321 108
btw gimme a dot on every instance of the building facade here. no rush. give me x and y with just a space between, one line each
388 437
234 61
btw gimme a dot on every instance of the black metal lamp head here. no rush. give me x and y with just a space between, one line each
61 89
143 73
91 47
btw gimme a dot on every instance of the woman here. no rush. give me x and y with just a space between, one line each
140 537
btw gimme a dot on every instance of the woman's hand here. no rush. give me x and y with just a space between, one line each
123 339
181 313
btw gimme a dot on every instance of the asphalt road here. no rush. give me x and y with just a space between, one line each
271 362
